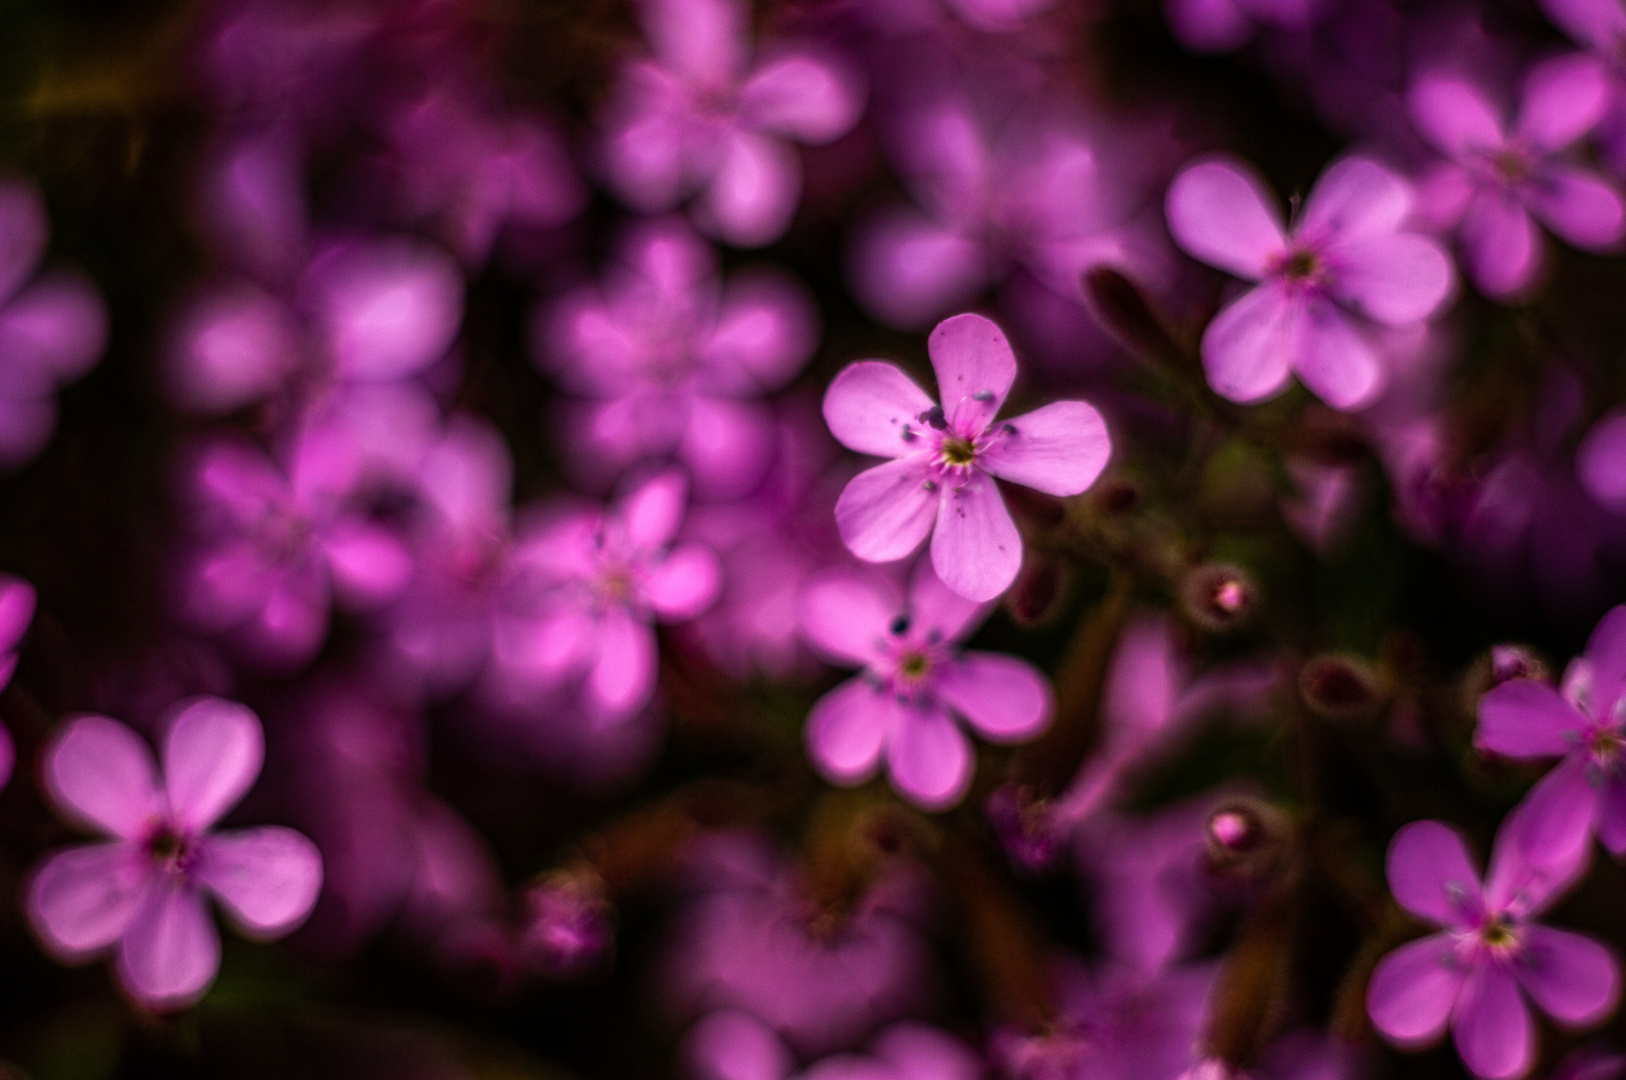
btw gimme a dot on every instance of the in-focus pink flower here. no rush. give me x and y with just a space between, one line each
1585 725
17 601
144 891
1347 258
1503 174
586 585
52 326
1475 975
702 117
669 361
945 457
916 681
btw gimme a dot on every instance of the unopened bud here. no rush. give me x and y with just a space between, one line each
565 931
1025 827
1218 596
1245 839
1509 662
1340 687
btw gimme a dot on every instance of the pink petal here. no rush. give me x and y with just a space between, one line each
1527 719
1453 115
936 608
171 951
731 1045
212 755
1600 461
975 369
1355 200
727 445
766 330
1059 449
102 774
684 584
25 428
884 513
1396 279
846 729
1222 213
928 758
1525 878
388 308
1432 875
23 234
1248 349
1332 359
623 677
846 614
230 348
1491 1025
703 40
807 98
653 510
1209 26
1564 98
874 408
1413 990
753 195
908 271
370 564
267 878
1579 206
1571 978
1612 816
920 1052
1005 699
1600 24
1606 656
1556 817
17 602
57 326
83 898
976 549
1500 243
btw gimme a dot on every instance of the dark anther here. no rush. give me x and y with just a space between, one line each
933 417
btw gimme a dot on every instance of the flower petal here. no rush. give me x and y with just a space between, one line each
1332 359
1491 1024
908 271
267 878
1564 98
1453 115
1599 24
1248 348
1600 461
1578 206
885 512
623 676
1432 875
1611 821
732 1045
936 608
929 758
976 549
1555 819
1059 449
805 97
212 756
1006 699
847 728
1413 990
1396 279
171 951
684 584
1221 212
83 899
1355 200
846 614
975 369
1500 243
1571 978
874 408
653 510
370 564
101 773
1523 718
752 197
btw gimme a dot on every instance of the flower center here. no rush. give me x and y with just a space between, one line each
1510 165
1604 745
913 666
958 452
1301 266
1498 933
170 848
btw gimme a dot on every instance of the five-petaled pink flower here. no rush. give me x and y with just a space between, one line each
1346 255
1475 975
144 889
941 481
916 680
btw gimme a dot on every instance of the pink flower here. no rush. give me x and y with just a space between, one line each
670 360
916 681
1346 256
698 118
731 1045
144 890
587 582
1503 174
1476 974
1586 727
17 601
941 481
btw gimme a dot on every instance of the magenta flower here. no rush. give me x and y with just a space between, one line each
945 457
52 326
1585 725
731 1045
698 117
1475 975
916 681
587 583
1504 174
16 612
1346 259
144 890
670 360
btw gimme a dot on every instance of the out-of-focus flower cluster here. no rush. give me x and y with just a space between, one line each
855 540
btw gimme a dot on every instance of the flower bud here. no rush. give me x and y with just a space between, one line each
1340 687
1218 596
1245 839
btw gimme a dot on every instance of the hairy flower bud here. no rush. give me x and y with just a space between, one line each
1218 596
1341 687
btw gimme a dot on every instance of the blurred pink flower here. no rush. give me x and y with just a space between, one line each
945 457
702 117
730 1045
144 891
916 681
17 601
